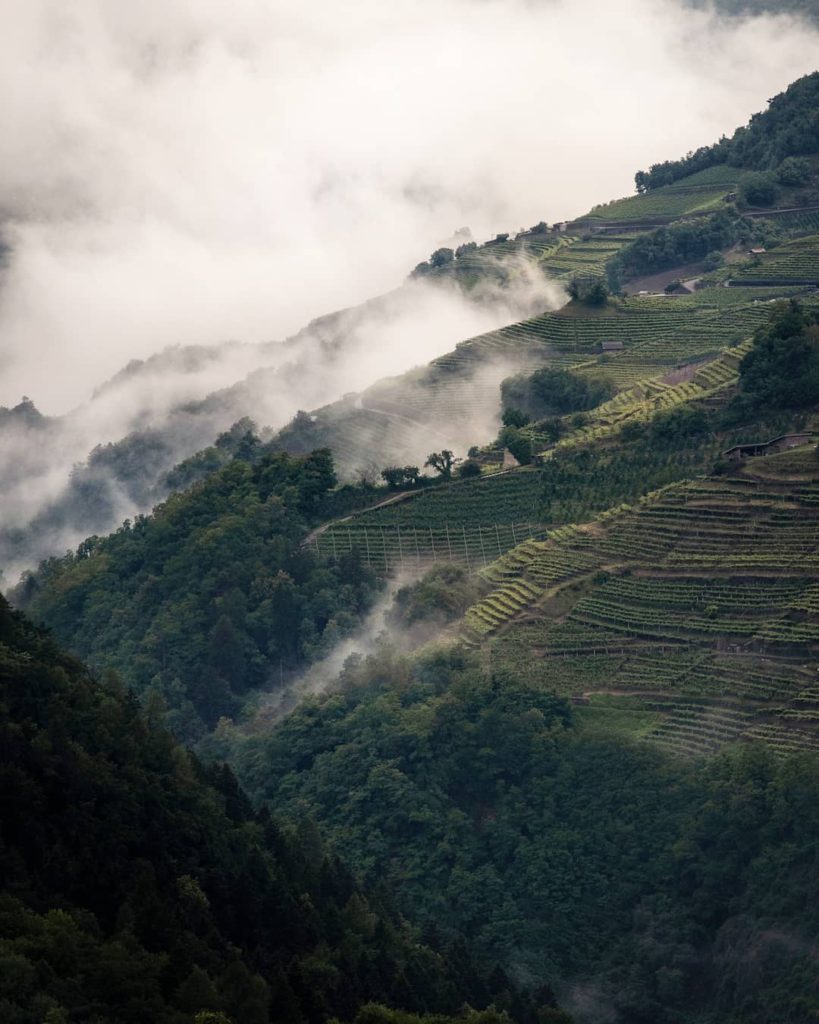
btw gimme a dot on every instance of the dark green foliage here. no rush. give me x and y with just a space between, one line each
441 257
465 249
677 425
683 242
789 127
400 476
782 368
713 261
441 596
590 291
794 171
139 886
512 417
565 857
758 189
549 392
373 1014
211 596
442 462
469 469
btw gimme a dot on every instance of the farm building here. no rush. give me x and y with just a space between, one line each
611 346
777 444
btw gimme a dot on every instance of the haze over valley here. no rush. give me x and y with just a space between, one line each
409 512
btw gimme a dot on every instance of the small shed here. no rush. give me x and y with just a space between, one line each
745 451
776 444
611 346
759 251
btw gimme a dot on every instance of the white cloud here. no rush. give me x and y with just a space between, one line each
186 171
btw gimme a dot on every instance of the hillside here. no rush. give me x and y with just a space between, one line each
579 747
699 601
140 886
63 477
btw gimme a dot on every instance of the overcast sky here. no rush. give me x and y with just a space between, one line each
195 170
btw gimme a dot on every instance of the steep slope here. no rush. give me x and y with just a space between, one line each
211 596
139 886
701 599
640 888
65 477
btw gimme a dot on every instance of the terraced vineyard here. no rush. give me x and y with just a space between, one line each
472 522
698 193
584 256
641 401
795 261
702 601
666 330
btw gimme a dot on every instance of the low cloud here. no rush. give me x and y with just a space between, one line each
175 173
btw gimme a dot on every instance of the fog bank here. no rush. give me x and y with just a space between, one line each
175 173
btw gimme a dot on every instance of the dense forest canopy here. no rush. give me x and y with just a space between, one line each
140 886
212 595
565 855
488 825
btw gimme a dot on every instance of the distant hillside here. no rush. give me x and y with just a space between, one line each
806 8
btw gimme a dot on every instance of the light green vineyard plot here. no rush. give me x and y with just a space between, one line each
704 192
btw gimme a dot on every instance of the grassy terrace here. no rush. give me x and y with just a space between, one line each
701 602
583 256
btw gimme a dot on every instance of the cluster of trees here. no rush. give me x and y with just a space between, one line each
396 477
788 128
782 368
139 885
444 462
548 392
590 291
212 595
438 598
446 257
683 242
595 862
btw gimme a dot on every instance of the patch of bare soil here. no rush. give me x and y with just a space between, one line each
657 282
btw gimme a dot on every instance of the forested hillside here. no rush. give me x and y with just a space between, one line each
639 886
140 885
211 597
